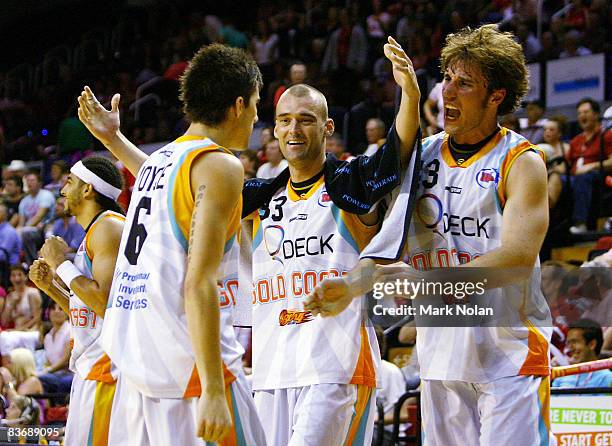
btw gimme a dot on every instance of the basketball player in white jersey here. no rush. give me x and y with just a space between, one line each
167 328
481 202
310 390
91 192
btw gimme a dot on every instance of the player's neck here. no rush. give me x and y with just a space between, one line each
476 135
301 173
87 215
220 135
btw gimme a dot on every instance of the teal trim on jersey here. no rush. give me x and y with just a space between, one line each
258 237
88 263
542 429
229 243
176 230
342 228
237 421
91 429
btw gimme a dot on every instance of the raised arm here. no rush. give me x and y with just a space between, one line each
407 119
216 183
104 245
104 125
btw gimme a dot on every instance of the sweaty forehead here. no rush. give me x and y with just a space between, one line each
465 69
309 104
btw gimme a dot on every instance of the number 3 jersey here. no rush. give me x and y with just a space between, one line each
297 242
145 329
88 358
457 217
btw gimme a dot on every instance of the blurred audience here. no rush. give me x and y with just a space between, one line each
276 163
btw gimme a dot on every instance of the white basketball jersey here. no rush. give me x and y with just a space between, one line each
145 330
297 243
458 217
88 358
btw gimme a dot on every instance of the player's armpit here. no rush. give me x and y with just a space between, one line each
104 246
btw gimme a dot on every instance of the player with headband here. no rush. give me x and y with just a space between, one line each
91 192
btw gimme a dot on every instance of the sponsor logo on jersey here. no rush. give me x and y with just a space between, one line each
454 189
273 238
430 211
487 177
299 217
294 317
325 200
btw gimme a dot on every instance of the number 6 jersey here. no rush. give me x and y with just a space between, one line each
145 328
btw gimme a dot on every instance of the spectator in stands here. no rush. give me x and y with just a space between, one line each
556 152
59 174
17 168
264 45
392 383
584 341
335 146
276 163
22 411
233 37
73 139
532 127
433 109
22 310
531 45
511 122
19 375
56 377
35 210
572 45
10 243
297 75
595 284
13 193
375 134
249 161
550 48
345 57
584 160
66 227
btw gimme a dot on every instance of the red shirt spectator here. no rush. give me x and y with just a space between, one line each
589 149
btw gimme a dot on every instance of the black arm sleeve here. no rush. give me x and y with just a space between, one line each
355 186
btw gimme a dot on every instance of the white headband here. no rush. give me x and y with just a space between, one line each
99 185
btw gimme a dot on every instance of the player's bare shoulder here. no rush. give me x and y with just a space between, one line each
218 169
107 232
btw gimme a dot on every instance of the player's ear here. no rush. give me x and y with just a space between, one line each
239 106
497 97
88 190
329 127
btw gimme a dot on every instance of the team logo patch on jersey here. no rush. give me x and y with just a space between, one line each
273 238
487 177
324 199
294 317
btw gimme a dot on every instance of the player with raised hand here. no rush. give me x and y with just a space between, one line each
166 327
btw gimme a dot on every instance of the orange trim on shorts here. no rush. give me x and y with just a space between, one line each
365 373
103 408
101 371
194 389
363 398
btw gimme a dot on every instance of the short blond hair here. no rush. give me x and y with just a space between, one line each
498 56
22 364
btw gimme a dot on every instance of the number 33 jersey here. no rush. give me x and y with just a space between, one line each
299 240
145 328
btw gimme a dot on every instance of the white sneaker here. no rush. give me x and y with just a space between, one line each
578 229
